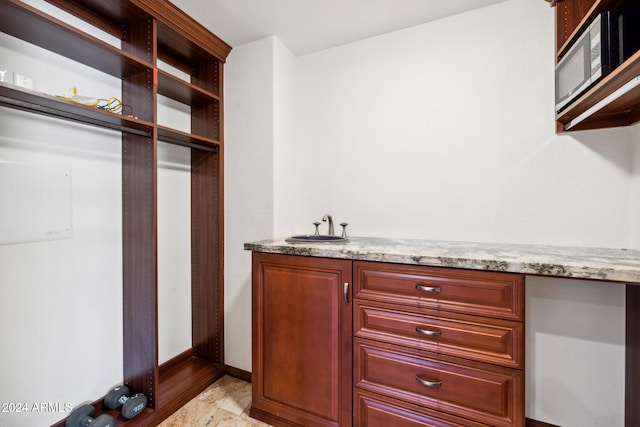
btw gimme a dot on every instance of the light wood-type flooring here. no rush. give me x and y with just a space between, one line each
224 404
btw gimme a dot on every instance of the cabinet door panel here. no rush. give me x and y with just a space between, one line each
302 327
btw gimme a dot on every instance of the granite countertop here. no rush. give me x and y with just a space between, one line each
620 265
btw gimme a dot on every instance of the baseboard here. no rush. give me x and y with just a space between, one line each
534 423
238 373
270 419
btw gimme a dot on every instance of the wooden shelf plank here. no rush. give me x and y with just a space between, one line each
110 16
181 91
40 103
185 139
33 26
184 381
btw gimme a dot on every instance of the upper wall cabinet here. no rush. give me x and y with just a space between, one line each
612 101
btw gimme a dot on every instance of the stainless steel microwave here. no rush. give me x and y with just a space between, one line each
611 38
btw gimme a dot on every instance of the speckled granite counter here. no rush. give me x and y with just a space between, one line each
619 265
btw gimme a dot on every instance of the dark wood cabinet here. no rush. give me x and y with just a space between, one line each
149 31
437 346
418 346
572 18
302 340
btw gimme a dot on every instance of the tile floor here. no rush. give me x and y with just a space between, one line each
224 404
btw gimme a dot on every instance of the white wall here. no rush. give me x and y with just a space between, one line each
258 103
61 301
285 162
249 164
445 131
575 352
174 250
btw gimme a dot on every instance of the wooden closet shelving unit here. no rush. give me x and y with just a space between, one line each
572 18
149 30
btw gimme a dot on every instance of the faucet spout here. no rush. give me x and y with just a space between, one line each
328 218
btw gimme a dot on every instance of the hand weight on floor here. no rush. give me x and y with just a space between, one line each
131 406
82 416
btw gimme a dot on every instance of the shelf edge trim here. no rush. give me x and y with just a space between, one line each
39 109
603 103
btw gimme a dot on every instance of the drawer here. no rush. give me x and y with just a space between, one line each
481 392
482 293
479 338
371 410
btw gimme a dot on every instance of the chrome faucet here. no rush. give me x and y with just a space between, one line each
326 218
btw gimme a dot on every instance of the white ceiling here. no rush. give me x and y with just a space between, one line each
306 26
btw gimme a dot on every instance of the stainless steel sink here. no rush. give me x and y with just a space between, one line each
316 238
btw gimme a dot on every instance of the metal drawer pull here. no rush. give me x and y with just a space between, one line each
426 383
428 288
427 332
345 292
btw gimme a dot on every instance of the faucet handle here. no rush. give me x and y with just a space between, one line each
317 224
344 228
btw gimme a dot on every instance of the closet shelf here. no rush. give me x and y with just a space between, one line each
185 139
181 91
31 25
40 103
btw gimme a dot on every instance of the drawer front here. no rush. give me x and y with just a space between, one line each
483 339
481 392
373 410
498 295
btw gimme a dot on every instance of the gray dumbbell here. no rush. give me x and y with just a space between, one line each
131 406
82 416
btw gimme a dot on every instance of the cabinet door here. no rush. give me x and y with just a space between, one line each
302 320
